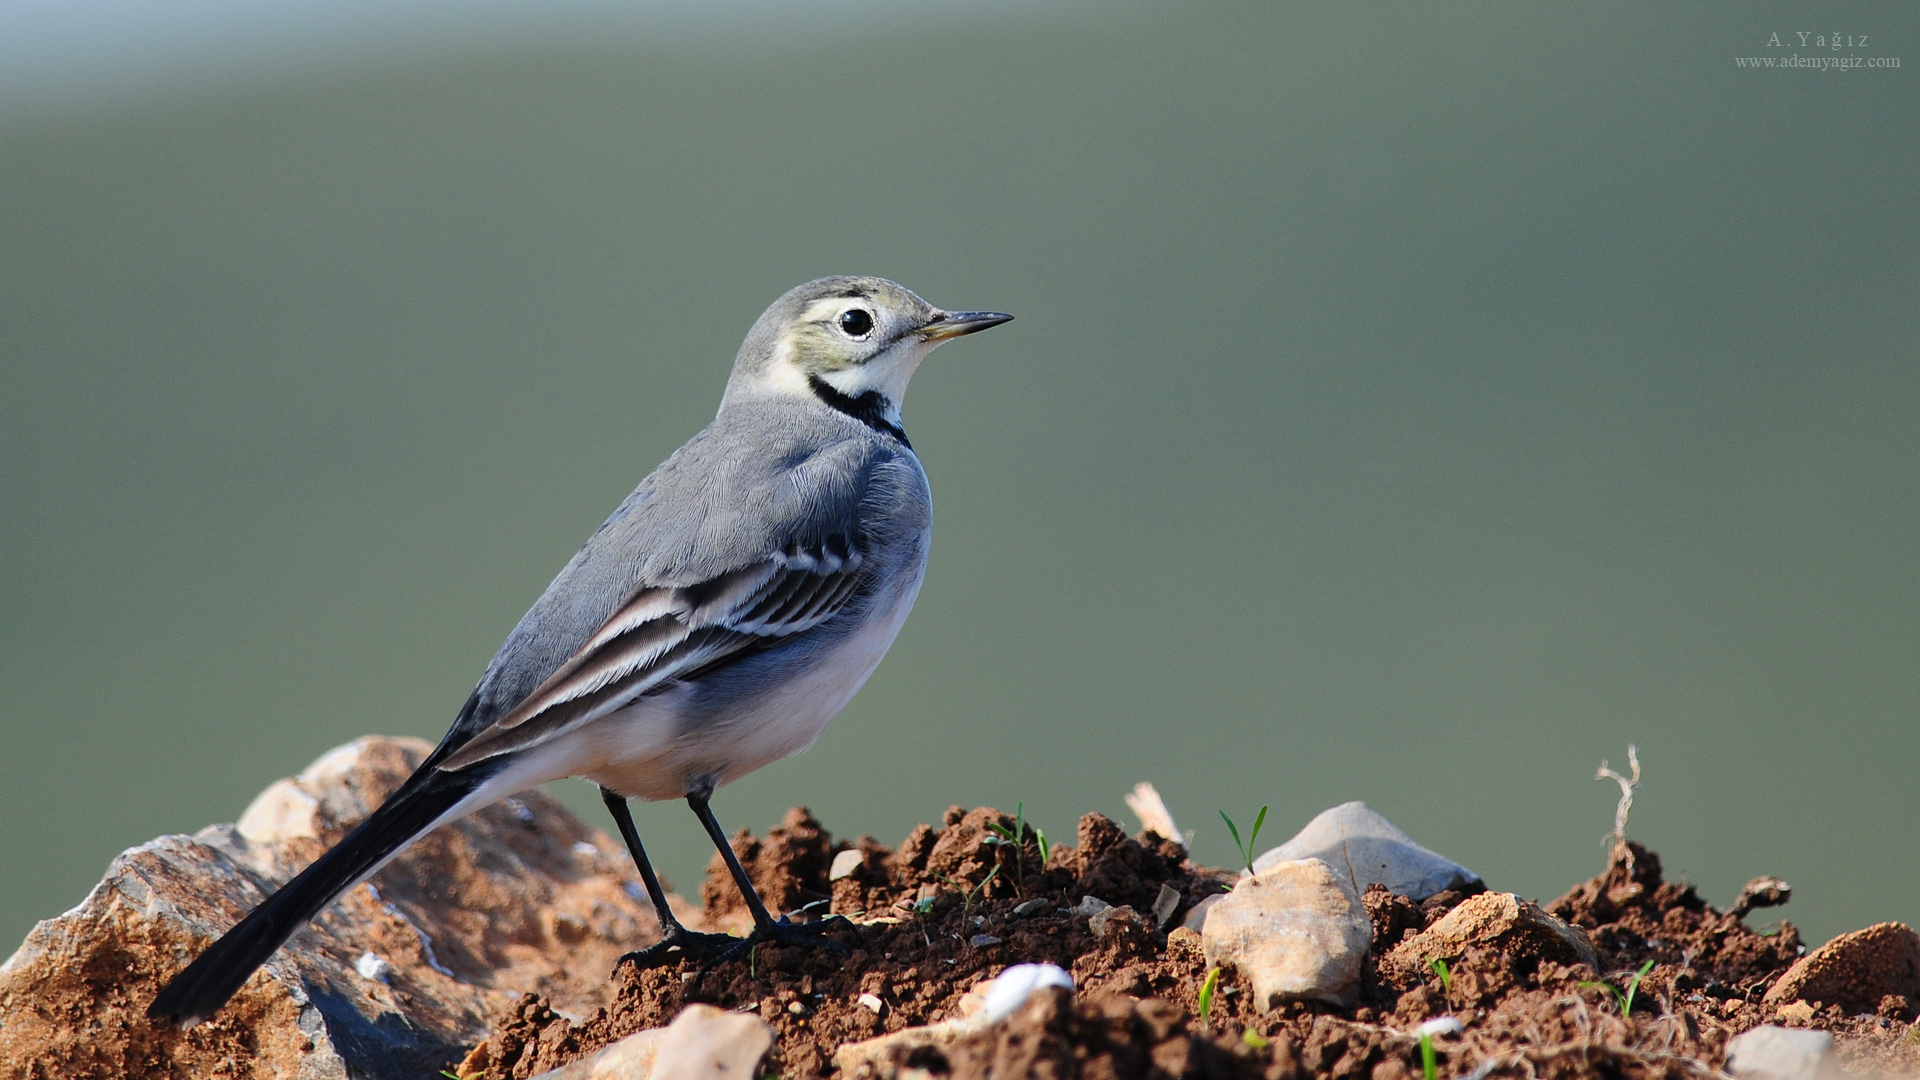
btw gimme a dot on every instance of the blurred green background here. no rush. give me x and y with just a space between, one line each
1408 403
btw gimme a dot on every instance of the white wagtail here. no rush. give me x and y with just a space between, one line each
721 617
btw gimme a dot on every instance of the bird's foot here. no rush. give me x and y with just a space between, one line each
711 950
804 935
680 943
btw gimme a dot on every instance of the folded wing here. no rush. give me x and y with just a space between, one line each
665 634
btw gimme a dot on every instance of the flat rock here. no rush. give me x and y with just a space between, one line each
702 1043
1370 850
1493 920
1776 1053
392 981
1295 931
1855 970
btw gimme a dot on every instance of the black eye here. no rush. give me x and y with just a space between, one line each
856 323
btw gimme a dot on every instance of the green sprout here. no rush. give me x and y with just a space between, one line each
1015 837
1439 967
1254 1039
1428 1066
1206 995
924 905
1625 1001
967 895
450 1073
1253 838
1626 1006
1004 835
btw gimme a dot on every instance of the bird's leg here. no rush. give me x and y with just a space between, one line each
766 928
673 936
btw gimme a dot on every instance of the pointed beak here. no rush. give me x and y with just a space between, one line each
953 324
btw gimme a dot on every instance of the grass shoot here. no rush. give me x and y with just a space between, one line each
968 895
1625 1001
1206 995
1253 838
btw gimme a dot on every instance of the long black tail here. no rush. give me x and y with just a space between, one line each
206 984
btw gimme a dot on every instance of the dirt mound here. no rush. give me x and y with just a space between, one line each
958 903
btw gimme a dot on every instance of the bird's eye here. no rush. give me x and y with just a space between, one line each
856 323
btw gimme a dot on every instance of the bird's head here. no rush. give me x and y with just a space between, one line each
860 337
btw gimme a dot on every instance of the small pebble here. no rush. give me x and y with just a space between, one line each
872 1001
585 850
981 941
372 968
1165 904
1013 986
1102 920
796 1008
1090 905
1029 907
844 864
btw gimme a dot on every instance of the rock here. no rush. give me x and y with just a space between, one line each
394 980
1011 988
702 1043
1105 917
632 1058
1370 850
1165 905
883 1055
705 1043
1296 931
1796 1012
1090 906
1028 907
844 864
1196 919
989 1002
1497 920
1776 1053
1855 970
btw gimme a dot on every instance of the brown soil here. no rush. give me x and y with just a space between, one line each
923 942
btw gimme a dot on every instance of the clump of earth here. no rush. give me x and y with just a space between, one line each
957 904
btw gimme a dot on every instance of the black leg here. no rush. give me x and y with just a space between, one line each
673 936
703 809
623 817
765 927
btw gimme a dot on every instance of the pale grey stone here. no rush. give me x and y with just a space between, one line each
1028 907
1770 1052
1370 850
1090 906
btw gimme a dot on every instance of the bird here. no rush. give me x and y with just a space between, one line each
723 614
